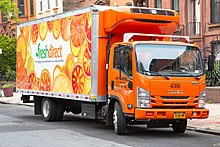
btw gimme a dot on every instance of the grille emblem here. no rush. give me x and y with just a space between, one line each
175 91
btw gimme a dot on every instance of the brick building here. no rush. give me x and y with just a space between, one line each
199 19
46 8
27 9
74 4
30 10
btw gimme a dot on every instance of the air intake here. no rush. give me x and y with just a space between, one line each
152 11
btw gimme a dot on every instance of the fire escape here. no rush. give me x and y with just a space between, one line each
8 28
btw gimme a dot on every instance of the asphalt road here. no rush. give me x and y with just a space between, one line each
19 127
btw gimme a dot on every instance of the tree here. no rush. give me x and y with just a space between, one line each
8 56
8 7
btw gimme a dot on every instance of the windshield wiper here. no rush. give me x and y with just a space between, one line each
157 73
197 78
166 77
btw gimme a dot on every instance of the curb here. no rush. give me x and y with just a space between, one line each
207 131
22 104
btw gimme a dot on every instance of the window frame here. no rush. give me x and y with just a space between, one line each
21 7
56 3
118 68
173 6
48 5
31 7
214 45
156 3
41 6
213 9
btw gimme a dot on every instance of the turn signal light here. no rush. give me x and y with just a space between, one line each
149 113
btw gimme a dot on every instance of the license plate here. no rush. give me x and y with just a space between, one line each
179 115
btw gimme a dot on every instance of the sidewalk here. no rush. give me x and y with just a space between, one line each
209 125
16 99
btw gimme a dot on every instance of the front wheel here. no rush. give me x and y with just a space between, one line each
119 120
180 126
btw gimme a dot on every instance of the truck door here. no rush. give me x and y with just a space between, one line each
121 76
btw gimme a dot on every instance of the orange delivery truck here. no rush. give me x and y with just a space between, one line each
120 63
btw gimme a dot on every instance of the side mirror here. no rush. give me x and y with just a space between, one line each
130 85
211 61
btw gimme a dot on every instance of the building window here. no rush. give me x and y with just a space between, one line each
215 11
216 48
41 6
48 4
158 3
56 3
31 7
175 5
21 7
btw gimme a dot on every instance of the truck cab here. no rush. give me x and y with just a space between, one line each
160 82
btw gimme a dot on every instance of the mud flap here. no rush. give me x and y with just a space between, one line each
88 111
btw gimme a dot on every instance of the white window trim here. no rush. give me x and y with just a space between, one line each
40 6
56 6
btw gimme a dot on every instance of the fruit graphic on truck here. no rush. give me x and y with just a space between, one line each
120 63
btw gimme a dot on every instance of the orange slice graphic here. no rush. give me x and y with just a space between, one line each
78 79
56 28
22 47
43 30
65 29
34 33
62 84
45 80
50 26
77 28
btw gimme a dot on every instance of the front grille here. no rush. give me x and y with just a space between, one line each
152 11
172 107
175 97
172 103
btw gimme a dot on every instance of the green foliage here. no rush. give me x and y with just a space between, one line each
8 56
10 75
6 7
213 77
8 85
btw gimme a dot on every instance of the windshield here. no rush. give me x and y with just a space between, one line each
170 60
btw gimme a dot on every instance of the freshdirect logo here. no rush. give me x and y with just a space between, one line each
49 53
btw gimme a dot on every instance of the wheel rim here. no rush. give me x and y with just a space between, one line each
115 120
46 108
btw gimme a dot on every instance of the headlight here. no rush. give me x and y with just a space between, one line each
143 98
202 99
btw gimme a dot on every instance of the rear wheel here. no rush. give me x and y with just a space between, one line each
119 120
60 110
49 109
180 126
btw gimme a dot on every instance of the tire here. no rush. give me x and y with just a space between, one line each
49 109
180 126
60 111
119 120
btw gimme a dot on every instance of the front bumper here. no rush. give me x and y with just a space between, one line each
144 114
